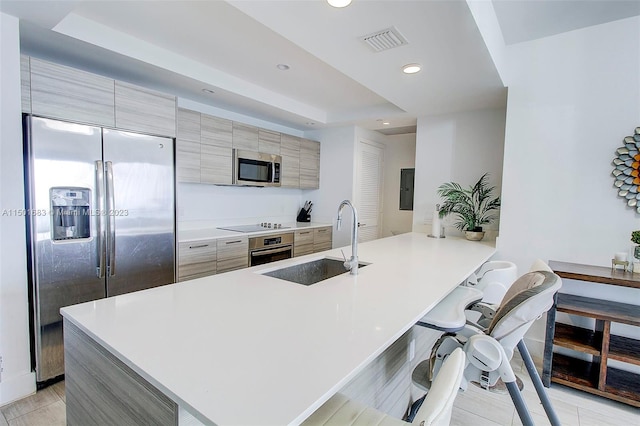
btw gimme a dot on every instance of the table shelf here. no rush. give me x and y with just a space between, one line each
595 376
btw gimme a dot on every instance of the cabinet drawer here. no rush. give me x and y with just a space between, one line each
322 235
322 247
233 253
70 94
303 237
302 249
196 259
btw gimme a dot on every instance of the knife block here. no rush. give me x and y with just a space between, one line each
303 216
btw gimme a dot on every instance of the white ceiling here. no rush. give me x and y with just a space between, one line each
334 78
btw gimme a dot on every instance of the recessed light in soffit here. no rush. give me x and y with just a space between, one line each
339 3
384 39
411 68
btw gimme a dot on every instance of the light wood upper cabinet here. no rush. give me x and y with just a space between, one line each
25 83
290 169
188 125
144 110
70 94
216 150
309 164
245 137
268 142
188 146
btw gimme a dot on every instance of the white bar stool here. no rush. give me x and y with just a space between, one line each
435 411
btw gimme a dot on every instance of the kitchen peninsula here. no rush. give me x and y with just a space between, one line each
244 348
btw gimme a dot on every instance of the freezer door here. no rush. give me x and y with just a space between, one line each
139 175
60 162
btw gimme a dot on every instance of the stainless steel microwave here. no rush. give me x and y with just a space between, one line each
256 168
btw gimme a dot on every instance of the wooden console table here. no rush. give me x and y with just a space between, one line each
596 376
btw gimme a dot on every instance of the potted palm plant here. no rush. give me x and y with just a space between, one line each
473 206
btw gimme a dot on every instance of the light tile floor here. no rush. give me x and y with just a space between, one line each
474 407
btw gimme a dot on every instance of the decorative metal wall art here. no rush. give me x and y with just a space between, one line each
627 171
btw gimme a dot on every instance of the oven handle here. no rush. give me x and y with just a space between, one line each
271 251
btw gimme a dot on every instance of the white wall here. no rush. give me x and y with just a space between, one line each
457 147
400 153
337 159
572 99
16 378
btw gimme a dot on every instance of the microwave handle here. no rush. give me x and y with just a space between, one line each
273 171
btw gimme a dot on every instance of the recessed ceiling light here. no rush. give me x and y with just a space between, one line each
411 68
339 3
283 67
310 123
385 123
208 91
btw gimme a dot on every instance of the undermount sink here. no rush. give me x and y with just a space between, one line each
312 272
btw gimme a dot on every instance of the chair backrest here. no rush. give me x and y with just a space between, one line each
527 299
494 279
438 404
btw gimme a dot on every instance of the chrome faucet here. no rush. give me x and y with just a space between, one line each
352 263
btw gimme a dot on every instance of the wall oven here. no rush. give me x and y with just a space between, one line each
270 248
256 168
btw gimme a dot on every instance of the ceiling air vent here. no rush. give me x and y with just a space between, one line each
384 39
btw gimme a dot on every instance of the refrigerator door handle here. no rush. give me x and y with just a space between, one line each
111 221
102 240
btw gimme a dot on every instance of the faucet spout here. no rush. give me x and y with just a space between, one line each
352 263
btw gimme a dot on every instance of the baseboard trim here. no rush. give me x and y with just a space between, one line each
17 387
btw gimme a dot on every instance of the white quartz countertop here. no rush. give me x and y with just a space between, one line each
208 233
241 348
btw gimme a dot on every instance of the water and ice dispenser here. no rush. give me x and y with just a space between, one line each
70 213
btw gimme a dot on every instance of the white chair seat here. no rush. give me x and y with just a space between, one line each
448 315
435 410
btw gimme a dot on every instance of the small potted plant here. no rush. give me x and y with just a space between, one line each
635 238
473 206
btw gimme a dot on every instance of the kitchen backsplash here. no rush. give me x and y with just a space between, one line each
203 206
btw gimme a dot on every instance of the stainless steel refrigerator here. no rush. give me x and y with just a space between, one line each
101 222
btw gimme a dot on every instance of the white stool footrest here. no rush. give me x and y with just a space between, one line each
448 315
342 411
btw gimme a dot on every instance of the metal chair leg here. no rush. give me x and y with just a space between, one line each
537 383
521 406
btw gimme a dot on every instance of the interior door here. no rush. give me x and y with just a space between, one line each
139 177
368 196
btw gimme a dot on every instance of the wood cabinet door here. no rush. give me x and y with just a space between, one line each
70 94
188 146
290 167
196 259
269 142
143 110
233 253
25 83
216 150
245 137
309 164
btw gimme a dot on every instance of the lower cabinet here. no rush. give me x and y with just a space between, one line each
302 242
322 238
102 390
314 240
233 253
196 259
